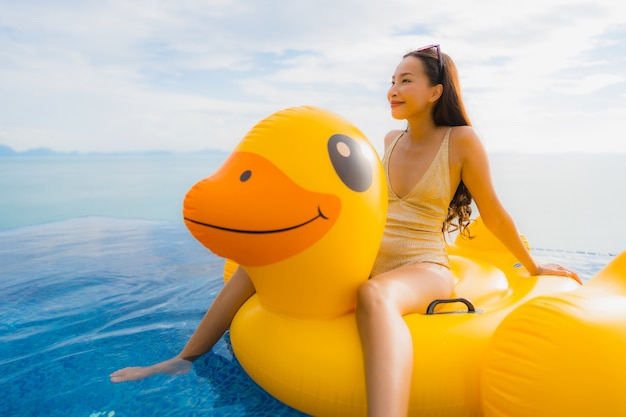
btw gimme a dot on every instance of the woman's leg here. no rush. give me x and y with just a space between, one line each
213 325
385 338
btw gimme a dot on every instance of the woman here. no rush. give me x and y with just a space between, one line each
434 167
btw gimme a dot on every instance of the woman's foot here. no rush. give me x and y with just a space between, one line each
174 366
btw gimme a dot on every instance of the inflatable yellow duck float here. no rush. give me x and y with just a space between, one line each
562 354
300 205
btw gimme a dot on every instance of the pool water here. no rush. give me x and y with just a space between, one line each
81 298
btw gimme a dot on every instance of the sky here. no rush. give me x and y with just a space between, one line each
185 75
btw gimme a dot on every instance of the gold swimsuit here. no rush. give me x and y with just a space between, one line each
413 229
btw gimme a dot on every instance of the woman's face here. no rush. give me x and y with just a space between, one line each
410 90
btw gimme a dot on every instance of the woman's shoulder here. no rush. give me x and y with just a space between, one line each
465 142
392 135
464 136
463 133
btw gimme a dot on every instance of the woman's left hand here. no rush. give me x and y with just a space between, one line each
555 269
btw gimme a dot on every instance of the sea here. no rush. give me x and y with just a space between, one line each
98 272
571 202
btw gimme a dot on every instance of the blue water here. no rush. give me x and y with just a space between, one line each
81 298
43 189
98 272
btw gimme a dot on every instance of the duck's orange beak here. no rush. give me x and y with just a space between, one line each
253 213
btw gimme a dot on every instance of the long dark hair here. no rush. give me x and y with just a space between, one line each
449 111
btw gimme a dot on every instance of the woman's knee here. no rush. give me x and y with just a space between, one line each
372 295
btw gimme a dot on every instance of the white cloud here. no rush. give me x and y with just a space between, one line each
198 74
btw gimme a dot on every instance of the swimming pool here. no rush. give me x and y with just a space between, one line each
81 298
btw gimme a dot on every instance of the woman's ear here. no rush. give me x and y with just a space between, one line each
437 91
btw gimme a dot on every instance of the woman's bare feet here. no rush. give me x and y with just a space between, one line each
174 366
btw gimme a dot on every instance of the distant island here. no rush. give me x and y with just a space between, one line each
7 151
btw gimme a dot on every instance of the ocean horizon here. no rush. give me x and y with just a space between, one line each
558 201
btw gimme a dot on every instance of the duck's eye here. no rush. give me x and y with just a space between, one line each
349 162
245 176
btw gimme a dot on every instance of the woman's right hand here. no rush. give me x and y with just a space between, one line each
174 366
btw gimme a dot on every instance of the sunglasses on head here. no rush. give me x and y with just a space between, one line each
439 57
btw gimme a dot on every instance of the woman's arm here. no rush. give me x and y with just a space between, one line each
476 175
219 316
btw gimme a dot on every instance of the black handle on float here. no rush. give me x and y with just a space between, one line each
435 303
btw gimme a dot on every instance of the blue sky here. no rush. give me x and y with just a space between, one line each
117 75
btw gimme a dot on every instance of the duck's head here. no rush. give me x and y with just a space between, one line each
300 204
